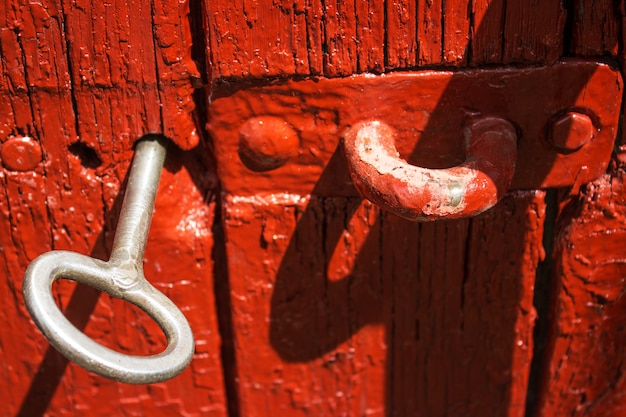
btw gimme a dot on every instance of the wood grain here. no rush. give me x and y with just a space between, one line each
596 27
83 81
584 373
338 38
370 314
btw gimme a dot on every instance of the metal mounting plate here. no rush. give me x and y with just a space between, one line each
294 127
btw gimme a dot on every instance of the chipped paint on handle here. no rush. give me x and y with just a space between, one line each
423 194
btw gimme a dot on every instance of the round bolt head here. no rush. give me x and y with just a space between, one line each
267 142
570 131
20 153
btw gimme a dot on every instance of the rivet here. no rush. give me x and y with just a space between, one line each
570 131
20 153
267 142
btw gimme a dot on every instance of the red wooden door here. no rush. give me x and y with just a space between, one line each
302 303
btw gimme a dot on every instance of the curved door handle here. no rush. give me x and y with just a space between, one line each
122 277
423 194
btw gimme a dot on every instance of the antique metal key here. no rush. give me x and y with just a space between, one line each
122 277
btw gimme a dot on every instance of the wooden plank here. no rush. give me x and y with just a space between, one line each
134 57
533 31
262 38
340 41
363 308
401 30
270 39
585 372
474 313
370 35
92 93
487 30
338 38
582 358
336 278
292 326
313 12
595 28
456 32
429 32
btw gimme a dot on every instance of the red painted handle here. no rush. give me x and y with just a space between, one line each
424 194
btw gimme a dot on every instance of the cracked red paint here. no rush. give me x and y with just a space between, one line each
336 308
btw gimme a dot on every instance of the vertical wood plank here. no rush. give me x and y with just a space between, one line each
177 74
533 31
361 309
370 30
401 31
474 313
81 81
487 31
583 358
340 39
456 32
313 13
585 368
336 39
429 32
596 28
131 64
262 38
308 288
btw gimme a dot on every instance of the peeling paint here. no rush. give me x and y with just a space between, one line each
419 193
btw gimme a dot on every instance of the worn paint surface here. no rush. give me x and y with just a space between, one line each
336 308
83 81
584 375
422 194
339 38
333 40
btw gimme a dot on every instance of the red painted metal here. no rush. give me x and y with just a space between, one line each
571 131
428 110
266 143
421 194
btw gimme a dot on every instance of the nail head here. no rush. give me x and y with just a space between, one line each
267 142
571 131
20 153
